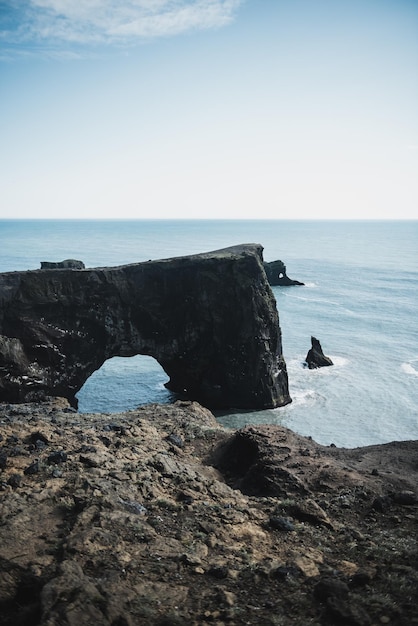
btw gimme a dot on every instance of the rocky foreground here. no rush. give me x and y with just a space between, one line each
159 516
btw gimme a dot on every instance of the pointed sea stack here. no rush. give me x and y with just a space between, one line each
315 357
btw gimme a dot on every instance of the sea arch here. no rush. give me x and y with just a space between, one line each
210 320
124 383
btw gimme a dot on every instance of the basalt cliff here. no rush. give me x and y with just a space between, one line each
210 320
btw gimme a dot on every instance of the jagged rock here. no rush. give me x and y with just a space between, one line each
406 498
267 460
330 588
69 264
173 543
210 320
281 523
276 274
309 511
86 599
257 467
33 468
315 357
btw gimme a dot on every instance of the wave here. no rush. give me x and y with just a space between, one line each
408 368
316 300
339 361
296 365
304 397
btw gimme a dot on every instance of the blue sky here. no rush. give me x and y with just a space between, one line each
209 108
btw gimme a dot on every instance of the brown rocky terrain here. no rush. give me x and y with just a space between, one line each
159 516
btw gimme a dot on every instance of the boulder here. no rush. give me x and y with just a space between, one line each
210 320
315 357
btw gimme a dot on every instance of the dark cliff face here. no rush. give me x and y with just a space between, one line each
210 320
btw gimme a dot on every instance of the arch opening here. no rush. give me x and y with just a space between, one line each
124 383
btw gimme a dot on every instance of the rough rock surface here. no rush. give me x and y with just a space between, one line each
210 320
160 517
315 357
69 264
276 274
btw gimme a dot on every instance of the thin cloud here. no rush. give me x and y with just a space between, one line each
93 22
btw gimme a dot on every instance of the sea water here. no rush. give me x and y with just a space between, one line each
360 300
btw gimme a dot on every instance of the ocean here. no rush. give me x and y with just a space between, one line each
360 300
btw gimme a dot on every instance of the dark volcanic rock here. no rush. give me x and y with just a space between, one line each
3 460
153 534
255 467
33 468
315 357
210 320
69 264
276 274
57 457
281 523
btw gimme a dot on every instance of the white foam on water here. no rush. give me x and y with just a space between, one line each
309 299
409 369
296 366
301 397
339 361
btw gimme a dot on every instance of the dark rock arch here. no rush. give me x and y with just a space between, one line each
210 320
276 275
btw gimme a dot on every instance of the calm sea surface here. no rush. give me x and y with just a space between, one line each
360 300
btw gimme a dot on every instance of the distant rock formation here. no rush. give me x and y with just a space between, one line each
276 274
210 320
315 357
69 264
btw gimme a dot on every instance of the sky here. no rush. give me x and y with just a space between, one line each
279 109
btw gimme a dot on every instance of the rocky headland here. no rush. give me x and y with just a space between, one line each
210 320
160 516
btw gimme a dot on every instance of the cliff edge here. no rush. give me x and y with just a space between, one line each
210 320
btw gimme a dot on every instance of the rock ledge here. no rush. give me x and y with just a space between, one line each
160 516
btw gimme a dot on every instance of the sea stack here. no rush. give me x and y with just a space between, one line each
315 357
277 276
